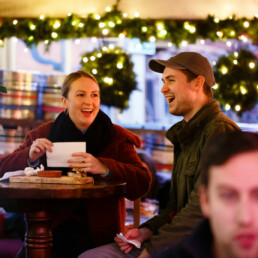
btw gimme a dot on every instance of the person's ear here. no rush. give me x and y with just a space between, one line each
204 201
199 82
64 103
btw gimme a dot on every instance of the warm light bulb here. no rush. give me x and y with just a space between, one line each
108 9
192 29
216 20
224 70
243 90
54 35
246 24
237 108
170 44
97 16
202 41
15 22
111 46
152 39
251 65
92 58
235 62
227 107
219 34
32 27
144 29
101 24
81 25
105 31
229 44
111 24
85 59
42 17
56 25
119 65
184 43
94 71
215 86
99 55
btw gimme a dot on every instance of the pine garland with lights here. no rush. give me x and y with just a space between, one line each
237 81
114 72
114 23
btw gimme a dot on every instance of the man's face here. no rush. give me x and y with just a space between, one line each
181 95
231 204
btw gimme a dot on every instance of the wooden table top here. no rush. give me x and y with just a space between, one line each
100 189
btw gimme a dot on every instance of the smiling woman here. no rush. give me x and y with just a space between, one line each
110 155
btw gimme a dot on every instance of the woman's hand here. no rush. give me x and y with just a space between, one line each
39 148
88 163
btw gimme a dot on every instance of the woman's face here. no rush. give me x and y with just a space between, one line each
82 102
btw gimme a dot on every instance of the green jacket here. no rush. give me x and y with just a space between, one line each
190 140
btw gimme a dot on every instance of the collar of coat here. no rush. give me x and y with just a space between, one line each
183 131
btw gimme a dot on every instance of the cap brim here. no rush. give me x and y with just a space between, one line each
158 65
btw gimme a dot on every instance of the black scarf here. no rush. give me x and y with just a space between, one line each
100 132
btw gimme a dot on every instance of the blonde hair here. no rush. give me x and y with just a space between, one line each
73 77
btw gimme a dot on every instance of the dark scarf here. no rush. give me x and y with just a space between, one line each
100 132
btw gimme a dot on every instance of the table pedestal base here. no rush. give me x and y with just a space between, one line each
38 239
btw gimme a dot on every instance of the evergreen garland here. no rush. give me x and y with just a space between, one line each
114 24
237 81
114 72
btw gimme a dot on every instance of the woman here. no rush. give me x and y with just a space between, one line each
110 155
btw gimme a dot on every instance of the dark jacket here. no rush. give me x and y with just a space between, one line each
197 245
106 216
190 140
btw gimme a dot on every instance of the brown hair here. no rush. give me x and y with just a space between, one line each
191 76
73 77
223 148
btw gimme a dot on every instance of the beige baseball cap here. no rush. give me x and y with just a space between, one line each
192 61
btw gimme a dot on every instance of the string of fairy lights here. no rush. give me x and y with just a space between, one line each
232 90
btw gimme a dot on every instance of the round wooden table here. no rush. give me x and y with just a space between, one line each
38 201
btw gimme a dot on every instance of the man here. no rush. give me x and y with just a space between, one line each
188 78
229 201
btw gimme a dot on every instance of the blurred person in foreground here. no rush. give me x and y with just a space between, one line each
187 86
110 155
229 201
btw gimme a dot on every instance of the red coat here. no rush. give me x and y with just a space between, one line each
105 216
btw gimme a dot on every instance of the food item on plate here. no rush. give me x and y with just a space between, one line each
50 173
77 172
72 174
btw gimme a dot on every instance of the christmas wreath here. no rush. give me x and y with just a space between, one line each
114 72
237 81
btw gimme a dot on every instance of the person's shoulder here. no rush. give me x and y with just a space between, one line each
122 134
221 119
42 130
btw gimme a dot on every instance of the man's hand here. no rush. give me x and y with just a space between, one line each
141 235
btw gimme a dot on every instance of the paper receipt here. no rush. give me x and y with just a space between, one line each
136 243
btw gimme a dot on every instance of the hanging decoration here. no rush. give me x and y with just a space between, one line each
237 81
114 23
114 72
